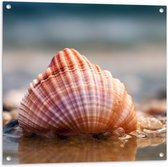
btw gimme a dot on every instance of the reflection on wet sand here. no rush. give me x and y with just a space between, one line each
37 150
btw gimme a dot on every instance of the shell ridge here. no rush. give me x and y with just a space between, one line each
103 96
44 104
35 114
109 96
62 115
28 119
97 94
84 113
59 73
115 110
77 59
66 59
81 99
131 120
124 112
65 106
27 113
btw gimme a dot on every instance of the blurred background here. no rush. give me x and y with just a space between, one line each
129 41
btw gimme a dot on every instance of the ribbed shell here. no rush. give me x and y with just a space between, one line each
74 96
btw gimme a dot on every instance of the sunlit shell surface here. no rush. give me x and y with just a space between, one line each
74 96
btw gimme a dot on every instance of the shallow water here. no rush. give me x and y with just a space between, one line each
78 149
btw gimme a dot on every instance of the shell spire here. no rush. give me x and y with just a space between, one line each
74 96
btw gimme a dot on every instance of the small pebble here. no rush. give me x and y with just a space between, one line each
125 137
6 118
14 114
150 123
12 99
119 132
152 133
138 134
9 116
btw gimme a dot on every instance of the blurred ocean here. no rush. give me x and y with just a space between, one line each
129 41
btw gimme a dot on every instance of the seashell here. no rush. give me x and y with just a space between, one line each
73 96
